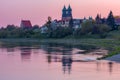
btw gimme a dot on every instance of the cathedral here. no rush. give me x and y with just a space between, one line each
67 18
66 13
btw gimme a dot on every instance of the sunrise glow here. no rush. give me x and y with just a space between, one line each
13 11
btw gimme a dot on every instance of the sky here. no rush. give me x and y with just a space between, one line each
37 11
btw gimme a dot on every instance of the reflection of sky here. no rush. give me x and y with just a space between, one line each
12 11
61 67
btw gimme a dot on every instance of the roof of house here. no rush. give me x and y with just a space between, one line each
26 23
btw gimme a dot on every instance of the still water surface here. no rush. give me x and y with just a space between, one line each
54 62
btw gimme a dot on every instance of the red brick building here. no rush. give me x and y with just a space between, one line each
26 24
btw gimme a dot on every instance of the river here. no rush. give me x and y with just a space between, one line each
55 62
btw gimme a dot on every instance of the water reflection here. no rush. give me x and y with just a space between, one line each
25 54
98 65
59 54
67 64
67 59
110 65
10 49
65 56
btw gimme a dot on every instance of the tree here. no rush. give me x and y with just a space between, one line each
49 21
11 27
98 19
111 21
87 27
48 24
35 27
103 28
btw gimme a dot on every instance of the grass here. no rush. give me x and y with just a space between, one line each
114 34
112 42
113 45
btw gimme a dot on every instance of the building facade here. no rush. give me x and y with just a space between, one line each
26 24
67 13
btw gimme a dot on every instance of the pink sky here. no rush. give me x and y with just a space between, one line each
13 11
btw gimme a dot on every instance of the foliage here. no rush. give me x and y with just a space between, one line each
111 21
12 31
87 27
90 28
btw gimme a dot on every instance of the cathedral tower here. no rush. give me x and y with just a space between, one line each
66 13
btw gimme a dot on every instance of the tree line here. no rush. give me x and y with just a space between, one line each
89 28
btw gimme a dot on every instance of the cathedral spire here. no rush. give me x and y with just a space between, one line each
64 8
69 7
66 13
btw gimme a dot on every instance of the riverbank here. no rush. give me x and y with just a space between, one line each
113 45
104 43
115 58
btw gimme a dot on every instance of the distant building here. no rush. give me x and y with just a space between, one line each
26 24
54 25
84 20
66 13
117 21
77 23
44 29
66 16
66 21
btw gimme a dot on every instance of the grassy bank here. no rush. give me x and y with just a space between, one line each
113 45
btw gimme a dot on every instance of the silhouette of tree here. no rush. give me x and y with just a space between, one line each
111 20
